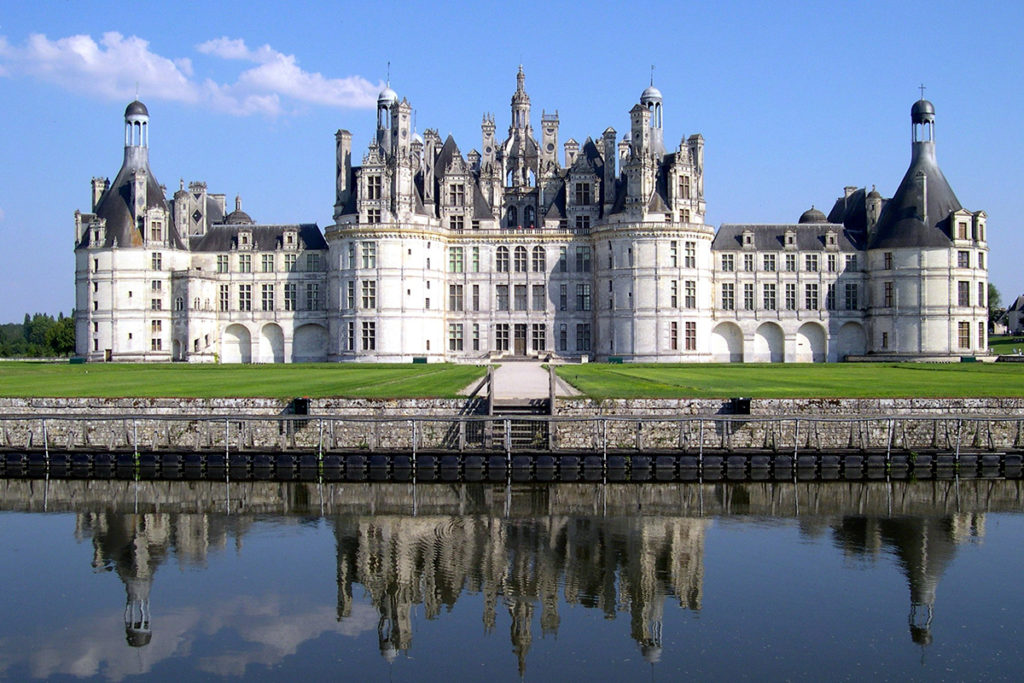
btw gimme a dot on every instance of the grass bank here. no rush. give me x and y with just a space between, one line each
832 380
317 380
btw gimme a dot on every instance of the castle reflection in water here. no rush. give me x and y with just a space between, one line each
618 549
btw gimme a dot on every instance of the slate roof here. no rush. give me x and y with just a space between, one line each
264 237
809 237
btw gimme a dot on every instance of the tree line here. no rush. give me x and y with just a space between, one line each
38 336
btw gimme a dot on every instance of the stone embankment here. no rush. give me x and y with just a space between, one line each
687 425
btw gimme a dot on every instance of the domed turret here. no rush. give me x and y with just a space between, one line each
136 108
812 215
650 95
923 111
387 97
238 217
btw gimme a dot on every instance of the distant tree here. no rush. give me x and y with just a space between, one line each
60 338
37 327
994 304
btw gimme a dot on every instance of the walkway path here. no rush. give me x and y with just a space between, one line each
525 380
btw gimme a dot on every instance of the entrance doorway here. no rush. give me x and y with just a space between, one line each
520 339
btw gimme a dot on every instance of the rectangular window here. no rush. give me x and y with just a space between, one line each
501 297
519 259
476 297
769 301
268 263
690 257
289 262
728 263
583 224
476 259
350 294
673 336
887 296
684 187
964 334
673 294
830 297
538 260
369 294
369 252
811 296
501 260
156 232
791 262
851 262
369 336
769 263
267 300
811 263
563 260
833 263
790 296
851 299
981 336
963 259
981 293
563 297
961 230
289 296
245 297
563 337
373 187
156 261
520 297
155 326
673 254
582 193
583 259
156 344
538 336
312 296
501 337
454 336
583 337
981 260
748 296
456 223
476 337
155 285
690 294
351 336
373 216
222 263
245 263
691 336
963 293
583 297
748 262
457 194
728 296
539 298
455 298
352 254
455 256
224 301
885 340
887 260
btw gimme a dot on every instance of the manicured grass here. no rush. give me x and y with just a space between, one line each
317 380
1006 344
833 380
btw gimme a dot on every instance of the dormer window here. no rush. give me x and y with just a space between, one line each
748 238
790 239
830 239
244 239
290 239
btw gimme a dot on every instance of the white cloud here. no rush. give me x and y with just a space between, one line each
117 67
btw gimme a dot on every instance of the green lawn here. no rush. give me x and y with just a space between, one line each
317 380
832 380
1006 344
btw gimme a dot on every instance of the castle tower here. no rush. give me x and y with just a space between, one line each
651 99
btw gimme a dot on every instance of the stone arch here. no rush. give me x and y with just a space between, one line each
727 343
271 344
851 340
309 345
236 345
810 344
769 344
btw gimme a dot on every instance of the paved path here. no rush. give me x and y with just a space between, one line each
526 380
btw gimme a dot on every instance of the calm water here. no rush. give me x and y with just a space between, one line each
187 580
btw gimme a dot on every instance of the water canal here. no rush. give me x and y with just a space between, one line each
909 580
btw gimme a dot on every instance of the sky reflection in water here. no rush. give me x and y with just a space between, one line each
771 581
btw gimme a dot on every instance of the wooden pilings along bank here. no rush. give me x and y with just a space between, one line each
614 448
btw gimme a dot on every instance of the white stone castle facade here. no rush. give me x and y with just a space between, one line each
510 251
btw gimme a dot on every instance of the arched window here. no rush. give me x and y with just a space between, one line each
501 263
520 259
539 260
528 217
179 304
513 216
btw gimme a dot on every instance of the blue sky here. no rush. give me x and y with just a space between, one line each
794 100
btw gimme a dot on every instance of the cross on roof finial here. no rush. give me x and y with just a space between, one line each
136 91
652 75
389 73
922 89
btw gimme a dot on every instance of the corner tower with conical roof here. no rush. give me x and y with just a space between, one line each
927 277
